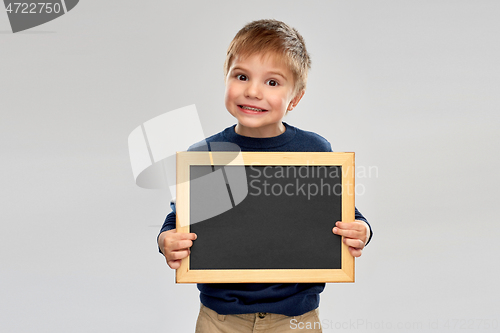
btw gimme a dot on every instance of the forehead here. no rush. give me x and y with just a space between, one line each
268 60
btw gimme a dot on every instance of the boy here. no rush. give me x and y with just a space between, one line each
265 74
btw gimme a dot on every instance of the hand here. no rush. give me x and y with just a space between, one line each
175 246
355 235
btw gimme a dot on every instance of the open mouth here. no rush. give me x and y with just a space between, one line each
249 108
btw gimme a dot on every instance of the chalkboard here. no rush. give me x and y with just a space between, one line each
265 217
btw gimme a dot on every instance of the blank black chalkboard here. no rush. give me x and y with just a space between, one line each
261 231
274 225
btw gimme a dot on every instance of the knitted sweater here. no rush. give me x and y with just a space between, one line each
291 299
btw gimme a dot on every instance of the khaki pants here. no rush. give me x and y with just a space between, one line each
210 321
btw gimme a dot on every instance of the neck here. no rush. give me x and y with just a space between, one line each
260 132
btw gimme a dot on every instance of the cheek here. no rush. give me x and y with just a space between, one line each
230 98
227 96
278 102
229 93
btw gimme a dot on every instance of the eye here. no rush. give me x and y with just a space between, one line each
272 83
241 77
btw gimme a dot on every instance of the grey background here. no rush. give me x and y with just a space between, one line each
411 86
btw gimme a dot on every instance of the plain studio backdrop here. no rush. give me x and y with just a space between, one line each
411 86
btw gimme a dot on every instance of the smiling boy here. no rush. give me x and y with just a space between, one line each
259 92
265 74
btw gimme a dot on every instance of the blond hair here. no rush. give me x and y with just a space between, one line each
272 37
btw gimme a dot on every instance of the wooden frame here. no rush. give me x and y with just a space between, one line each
186 159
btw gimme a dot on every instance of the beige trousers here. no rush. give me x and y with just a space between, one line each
210 321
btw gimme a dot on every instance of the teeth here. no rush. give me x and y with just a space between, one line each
250 108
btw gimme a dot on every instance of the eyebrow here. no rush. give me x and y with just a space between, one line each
279 73
269 73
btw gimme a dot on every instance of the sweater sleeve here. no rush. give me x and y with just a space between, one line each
359 216
169 223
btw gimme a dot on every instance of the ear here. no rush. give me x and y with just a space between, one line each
295 100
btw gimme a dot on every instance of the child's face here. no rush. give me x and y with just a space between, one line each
259 91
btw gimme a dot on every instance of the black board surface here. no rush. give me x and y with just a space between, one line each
284 222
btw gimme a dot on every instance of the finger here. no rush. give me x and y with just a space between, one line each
347 233
184 235
174 264
349 225
171 241
178 255
354 243
179 244
355 252
182 244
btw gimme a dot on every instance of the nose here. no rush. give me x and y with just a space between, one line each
253 90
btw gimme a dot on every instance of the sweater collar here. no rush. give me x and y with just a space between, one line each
249 142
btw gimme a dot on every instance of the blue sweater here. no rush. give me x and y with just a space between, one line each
291 299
